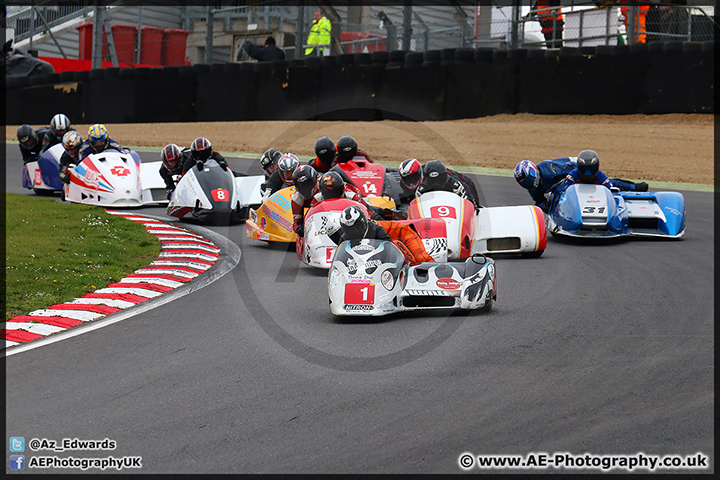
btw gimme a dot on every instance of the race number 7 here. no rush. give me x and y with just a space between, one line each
359 293
443 211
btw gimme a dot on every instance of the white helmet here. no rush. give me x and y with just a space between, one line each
60 124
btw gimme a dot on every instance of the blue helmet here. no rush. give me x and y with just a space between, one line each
527 174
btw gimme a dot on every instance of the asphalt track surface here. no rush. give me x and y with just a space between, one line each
604 349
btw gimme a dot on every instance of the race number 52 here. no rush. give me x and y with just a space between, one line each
359 293
443 211
221 195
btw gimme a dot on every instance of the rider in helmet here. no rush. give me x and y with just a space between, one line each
283 176
71 142
411 176
173 157
269 161
587 170
325 152
436 176
347 149
332 185
354 225
543 179
30 141
59 125
98 141
305 179
201 151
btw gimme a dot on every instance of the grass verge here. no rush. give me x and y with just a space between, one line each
57 251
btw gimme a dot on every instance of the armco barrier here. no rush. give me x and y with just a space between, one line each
657 78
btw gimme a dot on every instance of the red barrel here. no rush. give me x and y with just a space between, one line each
151 44
174 43
85 30
124 38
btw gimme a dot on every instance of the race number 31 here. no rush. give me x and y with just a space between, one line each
359 293
443 211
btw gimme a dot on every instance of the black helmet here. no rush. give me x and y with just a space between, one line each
331 185
346 149
305 178
588 165
325 150
436 174
269 160
201 149
354 223
27 136
411 173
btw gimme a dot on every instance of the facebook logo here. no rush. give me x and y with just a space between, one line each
17 462
17 444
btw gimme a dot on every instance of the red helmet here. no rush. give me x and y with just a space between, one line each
201 149
411 173
171 157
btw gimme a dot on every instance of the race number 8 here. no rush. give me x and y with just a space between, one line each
359 293
221 195
443 211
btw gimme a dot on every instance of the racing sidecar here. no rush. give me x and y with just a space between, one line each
584 210
215 195
513 229
41 175
272 221
375 182
323 219
371 277
115 179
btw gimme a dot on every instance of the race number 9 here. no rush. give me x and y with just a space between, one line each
221 195
443 211
359 293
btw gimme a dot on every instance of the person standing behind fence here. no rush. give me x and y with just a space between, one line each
551 20
641 12
264 54
319 38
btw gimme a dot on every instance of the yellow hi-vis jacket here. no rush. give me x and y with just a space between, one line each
319 35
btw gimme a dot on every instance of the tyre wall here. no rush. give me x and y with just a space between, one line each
669 77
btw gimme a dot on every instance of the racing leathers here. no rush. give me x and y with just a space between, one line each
32 154
167 174
408 241
273 184
65 160
403 236
86 148
189 161
554 172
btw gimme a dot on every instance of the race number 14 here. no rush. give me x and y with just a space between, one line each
359 293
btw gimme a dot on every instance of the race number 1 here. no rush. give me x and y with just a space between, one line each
359 293
443 211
